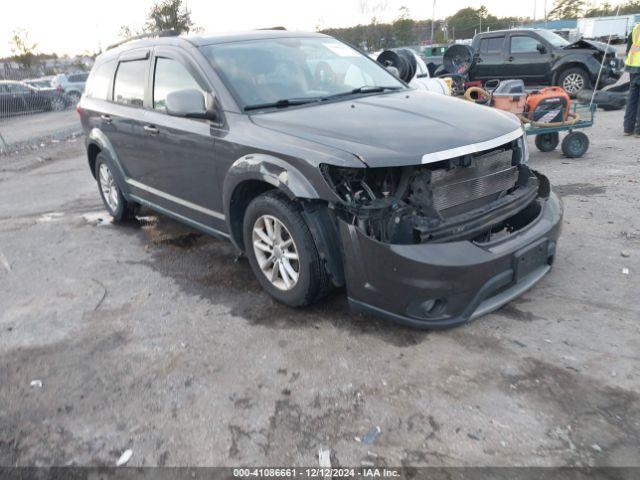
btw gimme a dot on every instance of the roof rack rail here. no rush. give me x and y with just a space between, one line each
161 33
272 28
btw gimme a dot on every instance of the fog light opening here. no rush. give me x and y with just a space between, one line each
427 308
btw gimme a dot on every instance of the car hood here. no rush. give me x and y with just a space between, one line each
400 128
583 44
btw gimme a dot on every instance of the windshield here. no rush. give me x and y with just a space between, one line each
261 72
553 38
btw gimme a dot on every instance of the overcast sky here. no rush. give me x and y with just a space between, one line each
75 26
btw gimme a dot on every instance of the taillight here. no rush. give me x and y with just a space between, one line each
78 109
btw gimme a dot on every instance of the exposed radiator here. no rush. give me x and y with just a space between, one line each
487 176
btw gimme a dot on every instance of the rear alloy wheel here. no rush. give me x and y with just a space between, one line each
115 203
574 81
57 104
282 252
74 97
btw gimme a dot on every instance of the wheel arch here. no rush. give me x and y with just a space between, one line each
98 143
565 65
252 175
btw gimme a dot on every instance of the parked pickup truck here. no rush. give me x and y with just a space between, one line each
541 57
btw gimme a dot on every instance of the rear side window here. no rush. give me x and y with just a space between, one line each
491 45
128 87
170 75
524 44
99 81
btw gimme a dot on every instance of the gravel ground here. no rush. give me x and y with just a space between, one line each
33 129
153 337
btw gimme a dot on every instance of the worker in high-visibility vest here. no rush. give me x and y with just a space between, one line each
632 113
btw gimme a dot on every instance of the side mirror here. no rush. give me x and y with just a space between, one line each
541 48
191 103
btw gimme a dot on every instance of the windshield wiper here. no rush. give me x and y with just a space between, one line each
362 89
284 103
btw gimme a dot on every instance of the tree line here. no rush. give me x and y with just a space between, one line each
463 24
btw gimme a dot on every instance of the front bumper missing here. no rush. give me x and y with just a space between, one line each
440 285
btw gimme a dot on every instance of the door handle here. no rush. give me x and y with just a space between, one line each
151 129
106 118
510 59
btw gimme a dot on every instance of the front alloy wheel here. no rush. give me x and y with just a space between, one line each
281 250
276 252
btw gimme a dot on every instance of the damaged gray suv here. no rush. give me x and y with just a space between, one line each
325 170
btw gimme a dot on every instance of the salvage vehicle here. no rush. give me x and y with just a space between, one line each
541 57
325 170
18 97
70 84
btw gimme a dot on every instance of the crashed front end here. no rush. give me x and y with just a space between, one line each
437 244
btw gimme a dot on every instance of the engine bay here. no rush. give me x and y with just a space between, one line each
479 197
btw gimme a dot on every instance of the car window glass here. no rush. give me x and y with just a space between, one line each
3 88
269 70
98 82
128 87
170 75
491 45
522 44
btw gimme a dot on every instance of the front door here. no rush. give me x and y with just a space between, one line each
179 165
528 58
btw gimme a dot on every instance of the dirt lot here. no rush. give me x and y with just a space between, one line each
154 337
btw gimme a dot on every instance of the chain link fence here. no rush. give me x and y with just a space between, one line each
36 107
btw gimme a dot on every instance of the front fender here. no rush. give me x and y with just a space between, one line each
588 62
269 169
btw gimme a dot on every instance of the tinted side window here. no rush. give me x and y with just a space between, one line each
128 87
99 80
170 75
491 45
524 45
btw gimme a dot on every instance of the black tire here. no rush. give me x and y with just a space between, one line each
124 209
313 282
73 97
574 81
547 142
575 145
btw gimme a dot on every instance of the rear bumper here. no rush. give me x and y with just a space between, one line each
442 285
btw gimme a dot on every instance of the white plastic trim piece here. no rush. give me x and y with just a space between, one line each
472 148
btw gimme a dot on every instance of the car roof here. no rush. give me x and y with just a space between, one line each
202 39
511 30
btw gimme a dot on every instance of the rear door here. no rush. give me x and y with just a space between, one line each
491 58
529 58
180 167
125 117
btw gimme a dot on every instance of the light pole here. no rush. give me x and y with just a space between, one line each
433 20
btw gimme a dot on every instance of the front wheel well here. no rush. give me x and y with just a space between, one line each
240 199
92 153
569 66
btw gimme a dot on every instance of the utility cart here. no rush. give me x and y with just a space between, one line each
576 143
